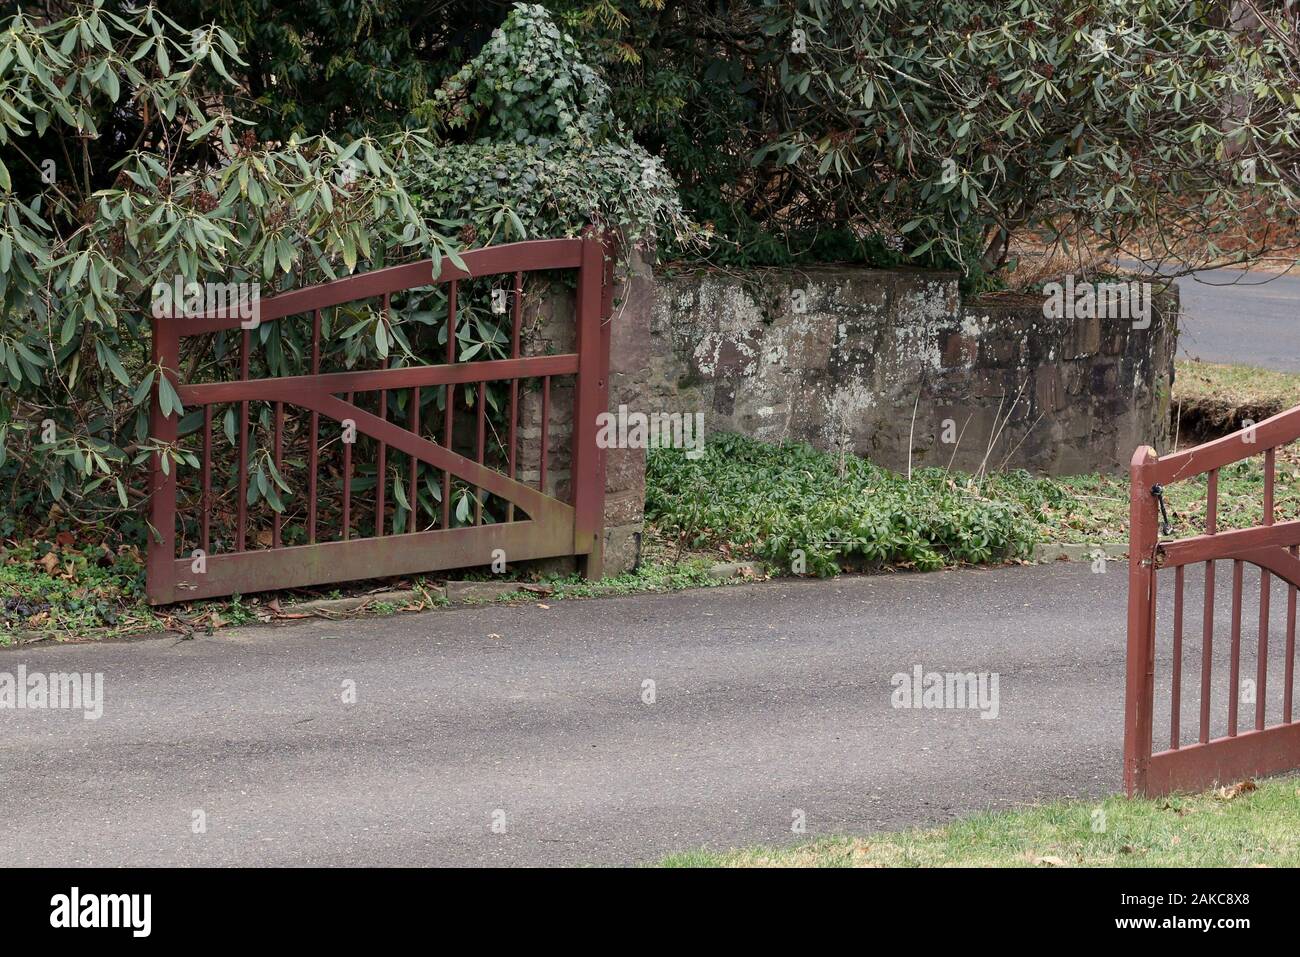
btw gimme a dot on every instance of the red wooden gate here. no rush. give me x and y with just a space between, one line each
1213 749
204 544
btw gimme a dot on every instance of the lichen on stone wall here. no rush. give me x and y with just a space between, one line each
840 357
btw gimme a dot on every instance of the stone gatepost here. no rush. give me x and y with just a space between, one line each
629 368
549 328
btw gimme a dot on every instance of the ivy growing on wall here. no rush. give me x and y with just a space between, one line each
527 146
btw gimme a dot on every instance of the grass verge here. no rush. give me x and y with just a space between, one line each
1247 825
1214 399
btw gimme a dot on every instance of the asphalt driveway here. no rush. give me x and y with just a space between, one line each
525 735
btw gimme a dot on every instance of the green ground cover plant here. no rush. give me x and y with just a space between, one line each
805 510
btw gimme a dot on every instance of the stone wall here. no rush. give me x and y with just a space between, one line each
894 366
881 363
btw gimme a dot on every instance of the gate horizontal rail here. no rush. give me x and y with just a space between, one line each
1216 751
445 453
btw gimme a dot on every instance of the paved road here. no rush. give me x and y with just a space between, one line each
1230 315
1251 318
768 698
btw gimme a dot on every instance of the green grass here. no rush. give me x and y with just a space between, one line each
1248 828
1244 390
656 573
654 576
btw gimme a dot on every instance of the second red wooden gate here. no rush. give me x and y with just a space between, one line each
1211 741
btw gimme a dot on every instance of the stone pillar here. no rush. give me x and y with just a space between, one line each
549 328
629 362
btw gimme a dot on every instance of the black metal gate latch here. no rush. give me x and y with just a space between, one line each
1165 527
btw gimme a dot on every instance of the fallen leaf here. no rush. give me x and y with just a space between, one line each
1241 787
540 605
66 538
50 562
494 636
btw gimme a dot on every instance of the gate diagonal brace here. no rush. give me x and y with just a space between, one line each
533 502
